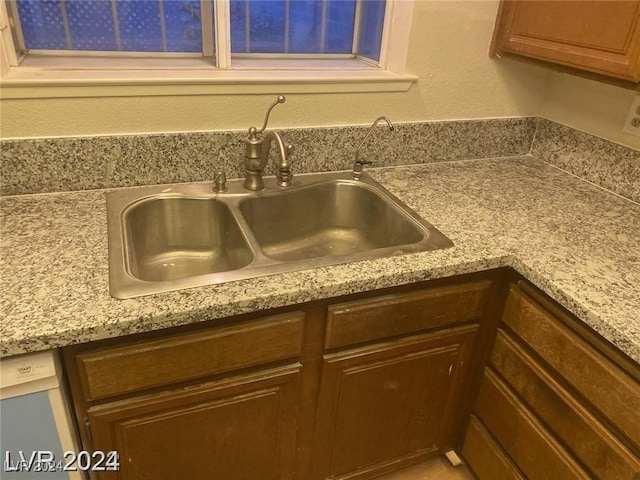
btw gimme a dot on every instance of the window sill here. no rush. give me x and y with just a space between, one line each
36 82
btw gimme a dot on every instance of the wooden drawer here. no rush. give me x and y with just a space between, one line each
525 439
585 436
114 371
608 388
485 456
403 313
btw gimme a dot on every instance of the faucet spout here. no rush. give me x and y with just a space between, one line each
283 167
358 164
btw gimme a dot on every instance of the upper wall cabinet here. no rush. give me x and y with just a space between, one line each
596 36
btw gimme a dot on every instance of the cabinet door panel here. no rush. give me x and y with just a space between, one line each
599 36
240 428
389 403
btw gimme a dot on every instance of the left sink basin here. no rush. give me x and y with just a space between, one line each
164 238
168 238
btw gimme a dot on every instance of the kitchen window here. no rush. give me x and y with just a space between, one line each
279 27
297 42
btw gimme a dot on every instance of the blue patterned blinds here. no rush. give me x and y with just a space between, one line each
106 25
257 26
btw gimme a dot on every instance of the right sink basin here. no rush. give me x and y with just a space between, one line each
330 219
171 237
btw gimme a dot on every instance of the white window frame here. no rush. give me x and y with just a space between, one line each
44 76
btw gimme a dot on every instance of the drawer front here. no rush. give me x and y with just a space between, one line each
600 381
589 441
114 371
485 457
402 313
529 444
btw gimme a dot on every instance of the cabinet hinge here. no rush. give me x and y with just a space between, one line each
87 428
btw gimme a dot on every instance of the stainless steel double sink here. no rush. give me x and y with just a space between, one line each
171 237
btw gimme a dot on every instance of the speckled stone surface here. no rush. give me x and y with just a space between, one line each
66 164
576 241
610 165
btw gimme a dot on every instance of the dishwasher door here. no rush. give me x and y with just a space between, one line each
35 420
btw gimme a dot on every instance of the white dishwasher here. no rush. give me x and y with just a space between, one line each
37 436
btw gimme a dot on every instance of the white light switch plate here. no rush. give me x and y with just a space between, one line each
632 123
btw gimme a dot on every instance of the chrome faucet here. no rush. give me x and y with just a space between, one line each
358 165
257 151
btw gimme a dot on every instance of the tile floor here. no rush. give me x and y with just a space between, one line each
435 469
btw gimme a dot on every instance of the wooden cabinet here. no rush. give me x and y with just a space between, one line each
386 404
360 386
221 401
391 404
595 36
344 388
555 400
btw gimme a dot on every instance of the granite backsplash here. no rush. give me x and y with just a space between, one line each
86 163
607 164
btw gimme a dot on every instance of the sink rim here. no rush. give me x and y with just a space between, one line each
122 285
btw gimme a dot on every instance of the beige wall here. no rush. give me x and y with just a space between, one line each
589 106
448 51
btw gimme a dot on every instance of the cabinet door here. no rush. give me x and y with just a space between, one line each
598 36
240 428
390 404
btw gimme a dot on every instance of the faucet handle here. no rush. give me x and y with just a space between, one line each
358 167
279 99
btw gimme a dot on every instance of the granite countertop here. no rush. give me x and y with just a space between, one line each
577 242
